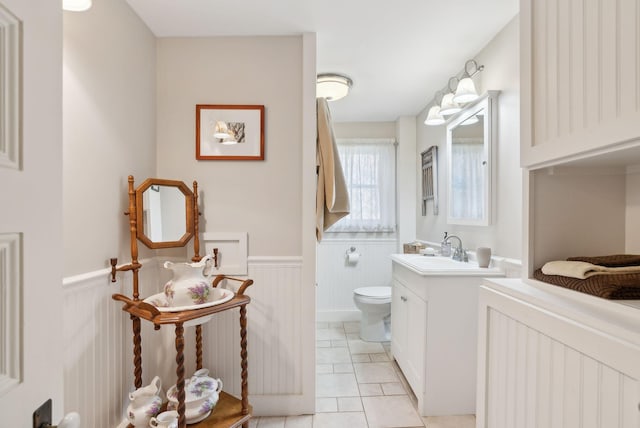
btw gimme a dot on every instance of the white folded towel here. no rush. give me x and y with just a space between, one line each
583 270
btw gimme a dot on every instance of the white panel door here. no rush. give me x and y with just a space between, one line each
31 217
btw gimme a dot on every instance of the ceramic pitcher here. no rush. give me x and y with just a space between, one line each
145 403
189 285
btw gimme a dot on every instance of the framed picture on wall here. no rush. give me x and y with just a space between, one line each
229 132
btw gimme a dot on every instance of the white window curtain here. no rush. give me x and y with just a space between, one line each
369 170
468 179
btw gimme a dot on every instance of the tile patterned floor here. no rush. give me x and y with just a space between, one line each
358 385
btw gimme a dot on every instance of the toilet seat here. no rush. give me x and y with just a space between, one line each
374 292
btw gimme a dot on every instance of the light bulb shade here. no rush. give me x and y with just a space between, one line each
448 106
332 86
221 130
466 91
470 121
76 5
434 117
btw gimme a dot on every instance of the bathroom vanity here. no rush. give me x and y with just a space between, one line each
434 313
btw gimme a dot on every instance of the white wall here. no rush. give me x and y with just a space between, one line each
262 198
632 214
408 167
577 212
109 69
364 129
501 60
271 200
109 107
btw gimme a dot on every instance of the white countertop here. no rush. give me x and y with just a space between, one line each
443 266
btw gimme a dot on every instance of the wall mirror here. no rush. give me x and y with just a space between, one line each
470 137
164 213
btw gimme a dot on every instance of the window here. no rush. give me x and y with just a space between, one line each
369 172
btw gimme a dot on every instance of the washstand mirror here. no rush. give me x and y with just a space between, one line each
470 137
164 213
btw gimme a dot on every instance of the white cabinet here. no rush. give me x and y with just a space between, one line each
409 332
549 357
580 91
433 337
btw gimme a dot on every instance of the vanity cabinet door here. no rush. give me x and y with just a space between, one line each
408 334
398 322
578 77
416 341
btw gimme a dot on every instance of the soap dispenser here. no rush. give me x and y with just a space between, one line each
445 247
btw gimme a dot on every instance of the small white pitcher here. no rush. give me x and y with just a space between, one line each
167 419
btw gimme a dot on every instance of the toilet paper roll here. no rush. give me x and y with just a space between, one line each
352 258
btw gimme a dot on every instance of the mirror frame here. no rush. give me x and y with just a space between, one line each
488 103
189 213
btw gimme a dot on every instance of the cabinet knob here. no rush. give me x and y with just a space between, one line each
404 299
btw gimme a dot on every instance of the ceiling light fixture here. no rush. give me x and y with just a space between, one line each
76 5
460 90
332 86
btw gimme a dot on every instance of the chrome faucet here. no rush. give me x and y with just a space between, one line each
459 253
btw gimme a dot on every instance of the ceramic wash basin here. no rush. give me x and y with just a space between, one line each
443 266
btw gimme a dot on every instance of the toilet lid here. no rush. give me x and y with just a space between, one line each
375 292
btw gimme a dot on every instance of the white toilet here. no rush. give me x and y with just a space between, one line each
375 305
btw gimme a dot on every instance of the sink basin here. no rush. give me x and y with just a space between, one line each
437 265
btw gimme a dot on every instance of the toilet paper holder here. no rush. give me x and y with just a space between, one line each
351 256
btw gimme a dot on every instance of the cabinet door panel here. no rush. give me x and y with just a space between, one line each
579 86
416 339
398 322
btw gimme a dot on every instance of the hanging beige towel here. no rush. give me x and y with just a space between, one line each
332 197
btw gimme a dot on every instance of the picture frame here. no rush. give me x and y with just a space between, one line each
229 132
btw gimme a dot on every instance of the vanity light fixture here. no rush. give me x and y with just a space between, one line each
332 86
466 90
76 5
460 90
434 117
448 105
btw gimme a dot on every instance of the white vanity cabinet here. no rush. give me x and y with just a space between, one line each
580 91
434 331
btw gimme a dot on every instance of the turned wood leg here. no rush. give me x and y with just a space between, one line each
198 346
243 356
137 352
182 419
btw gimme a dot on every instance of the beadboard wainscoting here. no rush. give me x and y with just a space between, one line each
98 342
337 278
98 360
98 364
541 367
274 337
